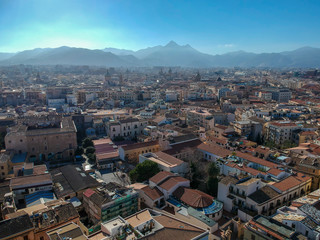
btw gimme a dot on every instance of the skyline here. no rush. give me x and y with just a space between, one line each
214 28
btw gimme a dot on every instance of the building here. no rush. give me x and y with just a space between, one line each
70 181
106 153
281 95
280 131
200 118
67 231
127 128
166 162
151 224
131 152
19 228
262 227
43 138
110 201
22 186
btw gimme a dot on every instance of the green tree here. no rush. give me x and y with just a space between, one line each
213 170
91 157
212 186
87 142
90 150
144 171
194 175
79 151
212 181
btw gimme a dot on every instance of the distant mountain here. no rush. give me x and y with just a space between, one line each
117 51
70 56
171 54
4 56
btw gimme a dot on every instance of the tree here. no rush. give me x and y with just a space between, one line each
194 175
144 171
79 151
212 186
91 157
87 142
212 181
90 150
213 170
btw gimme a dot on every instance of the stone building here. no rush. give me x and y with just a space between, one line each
43 138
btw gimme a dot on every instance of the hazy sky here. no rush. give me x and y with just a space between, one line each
210 26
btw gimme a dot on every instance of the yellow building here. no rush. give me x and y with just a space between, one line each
131 152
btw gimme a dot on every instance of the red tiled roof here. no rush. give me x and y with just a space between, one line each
215 149
172 181
275 171
139 145
290 182
153 193
160 176
88 193
192 197
251 158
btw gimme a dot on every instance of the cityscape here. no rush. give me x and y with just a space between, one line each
159 134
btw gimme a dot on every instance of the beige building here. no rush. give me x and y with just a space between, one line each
44 138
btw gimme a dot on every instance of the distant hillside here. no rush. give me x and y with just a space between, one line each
171 54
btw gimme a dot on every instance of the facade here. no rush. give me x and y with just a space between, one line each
110 201
131 152
43 139
201 118
279 132
281 95
127 128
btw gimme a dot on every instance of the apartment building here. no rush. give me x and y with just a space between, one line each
126 128
201 118
280 131
110 201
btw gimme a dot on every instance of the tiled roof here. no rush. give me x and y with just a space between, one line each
287 183
215 149
15 226
139 145
159 177
172 181
153 193
263 194
192 197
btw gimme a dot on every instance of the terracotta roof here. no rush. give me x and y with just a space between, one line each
88 192
153 193
172 181
275 171
215 149
21 181
192 197
177 148
251 158
168 158
287 183
159 177
139 145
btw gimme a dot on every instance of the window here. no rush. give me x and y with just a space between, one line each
41 238
25 237
253 237
2 167
21 140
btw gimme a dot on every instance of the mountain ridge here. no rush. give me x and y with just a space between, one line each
171 54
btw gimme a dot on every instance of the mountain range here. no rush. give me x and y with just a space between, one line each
171 54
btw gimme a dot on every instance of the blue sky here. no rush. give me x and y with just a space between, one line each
210 26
